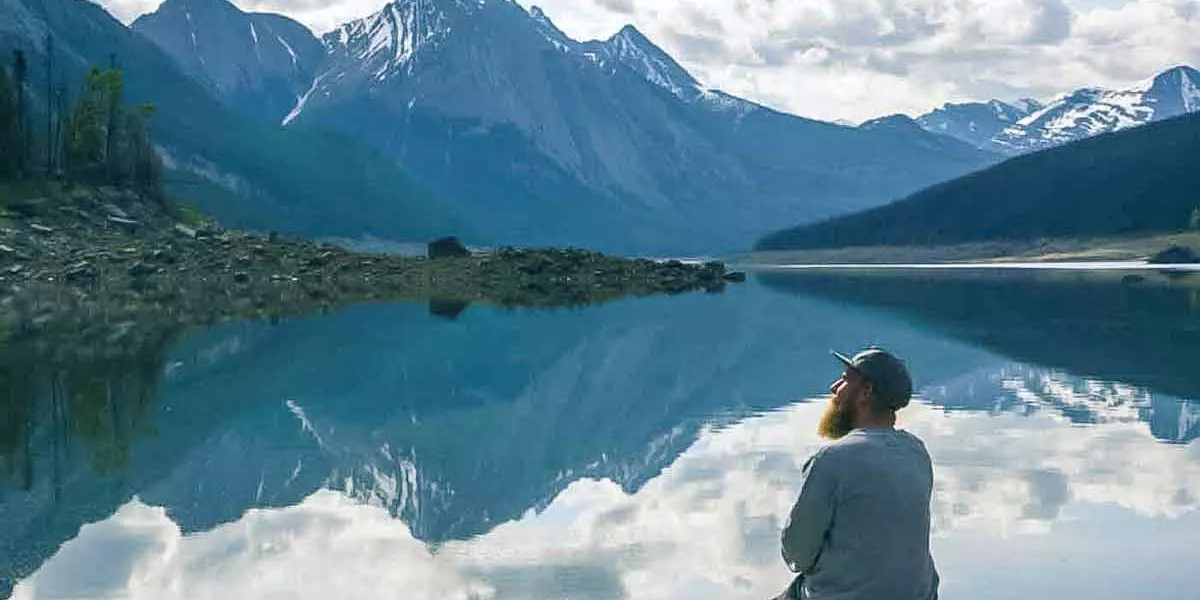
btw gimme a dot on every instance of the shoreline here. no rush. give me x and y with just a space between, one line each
1125 249
93 264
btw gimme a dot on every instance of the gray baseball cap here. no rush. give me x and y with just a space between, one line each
886 372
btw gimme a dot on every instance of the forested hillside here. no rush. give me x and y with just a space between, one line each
1142 180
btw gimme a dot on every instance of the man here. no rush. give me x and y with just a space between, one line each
860 528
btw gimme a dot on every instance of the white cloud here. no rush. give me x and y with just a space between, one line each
706 528
857 59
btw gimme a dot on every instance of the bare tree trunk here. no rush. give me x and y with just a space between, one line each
20 72
110 145
49 106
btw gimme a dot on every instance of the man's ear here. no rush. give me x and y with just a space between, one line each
865 392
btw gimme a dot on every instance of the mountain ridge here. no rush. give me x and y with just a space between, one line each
244 173
1134 181
1068 117
544 140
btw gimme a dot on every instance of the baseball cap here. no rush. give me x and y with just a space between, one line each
885 371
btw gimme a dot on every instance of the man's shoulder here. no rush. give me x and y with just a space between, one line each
860 441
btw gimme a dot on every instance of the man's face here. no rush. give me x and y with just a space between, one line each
846 398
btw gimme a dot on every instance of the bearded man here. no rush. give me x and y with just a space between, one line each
860 528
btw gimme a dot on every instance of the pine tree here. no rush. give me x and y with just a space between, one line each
20 73
10 129
88 133
144 165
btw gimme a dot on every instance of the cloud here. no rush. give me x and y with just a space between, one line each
707 527
858 59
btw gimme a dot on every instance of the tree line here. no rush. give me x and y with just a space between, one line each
1138 181
96 139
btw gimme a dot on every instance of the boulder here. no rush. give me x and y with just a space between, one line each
447 247
447 309
735 277
1174 255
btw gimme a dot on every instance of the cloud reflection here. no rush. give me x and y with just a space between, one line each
706 528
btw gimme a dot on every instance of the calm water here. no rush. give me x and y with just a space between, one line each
647 449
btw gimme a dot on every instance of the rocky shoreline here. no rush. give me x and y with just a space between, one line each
95 263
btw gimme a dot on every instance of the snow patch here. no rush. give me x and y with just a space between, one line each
1190 91
305 424
257 48
301 101
286 46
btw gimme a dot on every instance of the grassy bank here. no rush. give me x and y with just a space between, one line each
1045 250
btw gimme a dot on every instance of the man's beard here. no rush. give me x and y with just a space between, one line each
837 421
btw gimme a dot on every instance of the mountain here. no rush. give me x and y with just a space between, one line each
1071 117
977 123
1092 327
1141 180
235 168
542 139
259 62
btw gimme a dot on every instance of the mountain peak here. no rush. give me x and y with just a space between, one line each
200 6
633 49
896 122
633 34
1173 76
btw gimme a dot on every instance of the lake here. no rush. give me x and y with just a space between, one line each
643 449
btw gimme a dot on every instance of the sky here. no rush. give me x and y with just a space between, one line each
852 60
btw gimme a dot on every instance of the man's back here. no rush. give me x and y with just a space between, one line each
860 529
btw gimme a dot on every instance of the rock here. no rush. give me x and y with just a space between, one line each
1174 255
41 228
80 272
735 277
140 269
6 250
446 248
241 277
125 224
163 256
447 309
116 211
186 231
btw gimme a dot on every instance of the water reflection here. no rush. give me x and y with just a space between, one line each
640 449
706 527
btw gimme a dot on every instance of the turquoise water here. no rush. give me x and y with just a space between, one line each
645 449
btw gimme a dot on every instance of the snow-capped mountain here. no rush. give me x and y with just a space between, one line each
260 63
1088 112
977 123
1028 126
1022 389
542 139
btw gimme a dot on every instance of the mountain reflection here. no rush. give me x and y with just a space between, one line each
460 427
706 527
1092 324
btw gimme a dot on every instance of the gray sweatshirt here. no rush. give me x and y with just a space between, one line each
860 528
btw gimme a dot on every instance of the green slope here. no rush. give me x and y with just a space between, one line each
244 173
1142 180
